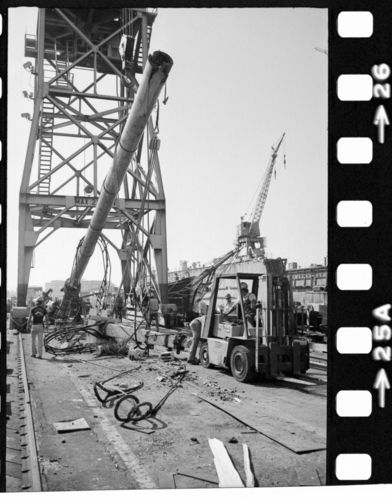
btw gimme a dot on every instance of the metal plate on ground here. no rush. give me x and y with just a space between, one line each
74 425
288 434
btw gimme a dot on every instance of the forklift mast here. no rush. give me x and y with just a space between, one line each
276 305
275 297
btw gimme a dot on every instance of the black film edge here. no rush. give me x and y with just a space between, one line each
363 441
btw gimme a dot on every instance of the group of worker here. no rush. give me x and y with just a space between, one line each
148 302
43 312
38 318
249 302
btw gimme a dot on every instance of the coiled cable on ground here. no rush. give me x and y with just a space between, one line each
70 339
136 410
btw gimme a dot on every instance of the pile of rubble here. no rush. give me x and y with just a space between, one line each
172 370
225 394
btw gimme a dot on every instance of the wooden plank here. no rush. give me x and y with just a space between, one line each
13 469
14 456
250 479
228 476
13 484
297 381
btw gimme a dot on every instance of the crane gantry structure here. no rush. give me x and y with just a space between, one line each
87 65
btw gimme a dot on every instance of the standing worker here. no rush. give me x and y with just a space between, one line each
196 327
47 296
85 308
153 309
118 307
249 300
37 322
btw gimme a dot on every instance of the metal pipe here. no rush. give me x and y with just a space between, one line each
154 77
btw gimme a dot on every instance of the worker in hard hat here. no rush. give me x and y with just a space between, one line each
197 327
249 300
37 322
228 305
47 296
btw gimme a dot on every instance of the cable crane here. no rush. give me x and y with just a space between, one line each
248 232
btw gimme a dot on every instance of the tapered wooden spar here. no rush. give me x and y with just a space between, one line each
154 77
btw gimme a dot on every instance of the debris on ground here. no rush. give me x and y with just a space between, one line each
114 348
134 353
225 394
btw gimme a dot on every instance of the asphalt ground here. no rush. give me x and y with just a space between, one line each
283 422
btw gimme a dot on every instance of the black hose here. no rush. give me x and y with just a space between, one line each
69 333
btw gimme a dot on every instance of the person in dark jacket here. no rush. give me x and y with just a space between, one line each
118 307
37 322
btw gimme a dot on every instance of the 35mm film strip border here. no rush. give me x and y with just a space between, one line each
359 373
3 248
360 244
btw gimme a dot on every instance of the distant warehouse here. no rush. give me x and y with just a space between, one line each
309 284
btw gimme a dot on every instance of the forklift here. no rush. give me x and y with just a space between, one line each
258 336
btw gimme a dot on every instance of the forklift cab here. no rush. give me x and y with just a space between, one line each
239 319
257 335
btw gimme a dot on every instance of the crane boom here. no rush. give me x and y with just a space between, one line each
248 232
262 197
154 77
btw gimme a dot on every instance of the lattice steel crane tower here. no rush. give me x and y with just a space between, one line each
248 232
86 69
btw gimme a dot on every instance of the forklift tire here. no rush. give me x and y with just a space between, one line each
241 364
203 355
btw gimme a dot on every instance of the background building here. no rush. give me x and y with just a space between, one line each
33 292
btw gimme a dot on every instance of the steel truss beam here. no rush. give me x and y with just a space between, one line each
83 93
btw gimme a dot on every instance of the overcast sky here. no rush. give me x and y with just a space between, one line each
241 77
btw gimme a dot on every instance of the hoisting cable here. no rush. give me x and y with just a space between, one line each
110 394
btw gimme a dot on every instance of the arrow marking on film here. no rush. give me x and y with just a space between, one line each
381 121
381 383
